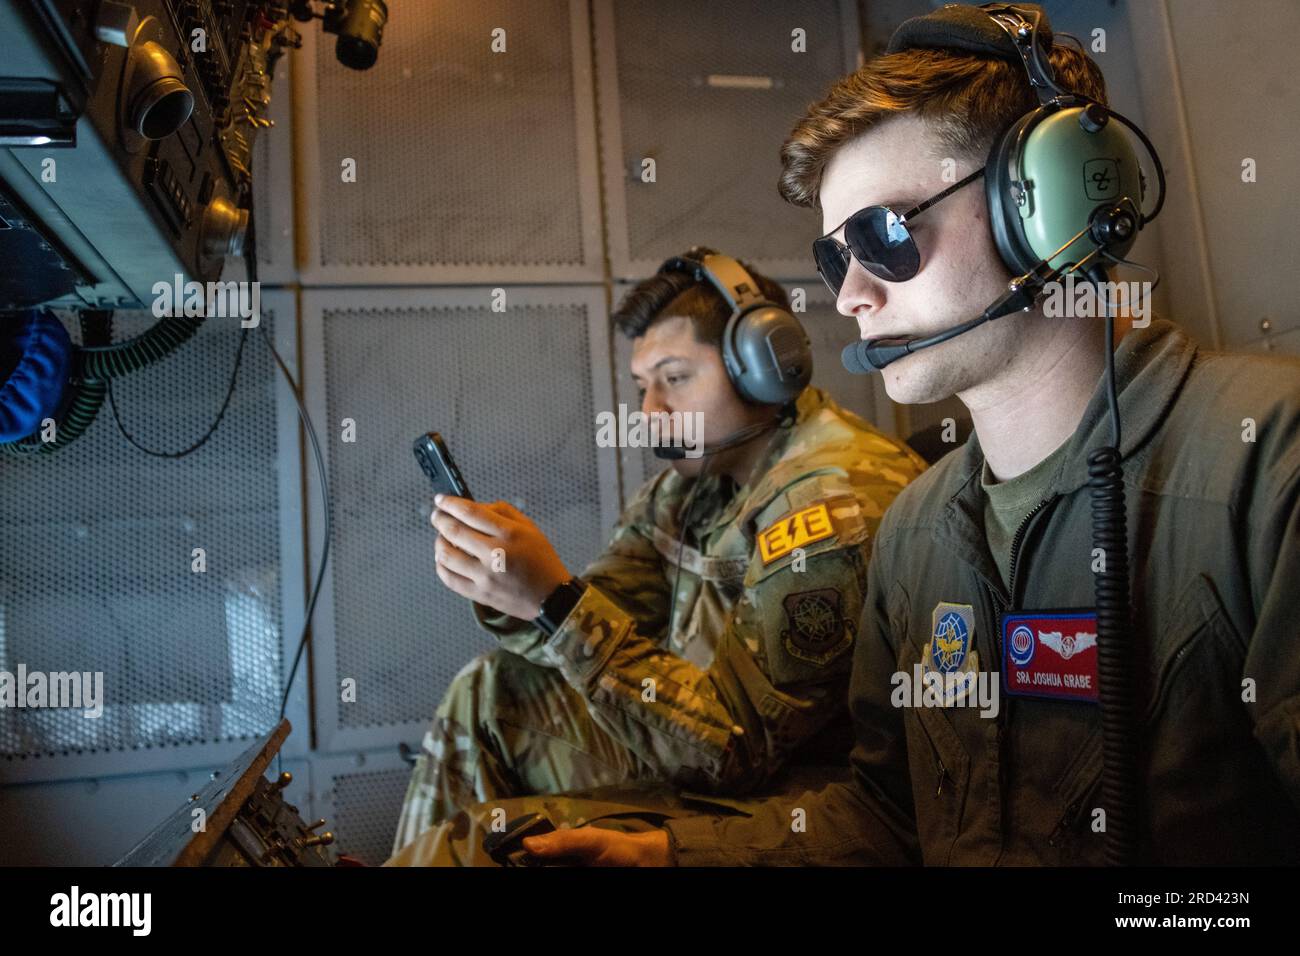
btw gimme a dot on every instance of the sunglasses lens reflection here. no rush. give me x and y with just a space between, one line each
881 242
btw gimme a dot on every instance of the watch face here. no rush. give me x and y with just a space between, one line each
563 600
558 604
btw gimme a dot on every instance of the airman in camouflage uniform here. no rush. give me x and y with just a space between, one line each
752 666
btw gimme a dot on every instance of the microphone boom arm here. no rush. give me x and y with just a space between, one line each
872 355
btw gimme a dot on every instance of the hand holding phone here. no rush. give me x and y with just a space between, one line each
524 566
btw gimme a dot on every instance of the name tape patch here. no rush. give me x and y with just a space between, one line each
794 531
1050 654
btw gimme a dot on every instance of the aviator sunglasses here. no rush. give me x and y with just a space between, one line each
879 239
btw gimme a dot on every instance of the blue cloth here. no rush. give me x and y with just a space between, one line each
35 387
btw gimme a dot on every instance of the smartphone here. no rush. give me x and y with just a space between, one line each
436 461
506 847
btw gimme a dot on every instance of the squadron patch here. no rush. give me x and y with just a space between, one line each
817 630
950 652
794 531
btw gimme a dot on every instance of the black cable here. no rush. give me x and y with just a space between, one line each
1115 665
1121 261
250 255
111 359
230 392
325 549
1155 159
1062 35
1047 74
1146 142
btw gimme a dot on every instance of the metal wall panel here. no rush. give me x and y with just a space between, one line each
94 822
515 394
193 662
273 183
1249 227
472 166
1287 342
709 92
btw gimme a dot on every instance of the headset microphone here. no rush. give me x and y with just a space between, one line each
872 355
738 437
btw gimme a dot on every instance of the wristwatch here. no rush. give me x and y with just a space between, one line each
558 604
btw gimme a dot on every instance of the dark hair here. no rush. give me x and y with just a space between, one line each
678 293
967 99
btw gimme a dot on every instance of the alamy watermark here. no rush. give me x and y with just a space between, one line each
82 690
925 687
1085 299
638 429
219 300
75 908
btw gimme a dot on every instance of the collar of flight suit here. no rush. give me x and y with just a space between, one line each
1151 365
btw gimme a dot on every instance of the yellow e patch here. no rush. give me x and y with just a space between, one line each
794 531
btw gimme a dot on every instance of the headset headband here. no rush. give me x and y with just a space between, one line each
765 349
985 31
728 276
978 30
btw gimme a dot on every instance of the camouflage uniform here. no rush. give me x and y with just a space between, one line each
754 664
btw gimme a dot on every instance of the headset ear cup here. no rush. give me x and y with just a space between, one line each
804 360
779 337
761 340
1004 213
731 360
796 386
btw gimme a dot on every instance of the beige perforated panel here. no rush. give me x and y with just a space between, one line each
97 569
365 806
708 91
489 383
463 155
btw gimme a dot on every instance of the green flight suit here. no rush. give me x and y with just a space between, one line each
1211 460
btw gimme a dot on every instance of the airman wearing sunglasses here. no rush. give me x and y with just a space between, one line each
1000 530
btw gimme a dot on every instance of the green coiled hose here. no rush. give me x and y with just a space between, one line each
96 361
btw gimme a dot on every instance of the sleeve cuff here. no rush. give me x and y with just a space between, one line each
588 637
694 841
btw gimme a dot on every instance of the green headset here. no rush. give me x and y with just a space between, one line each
1063 185
1063 182
765 349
